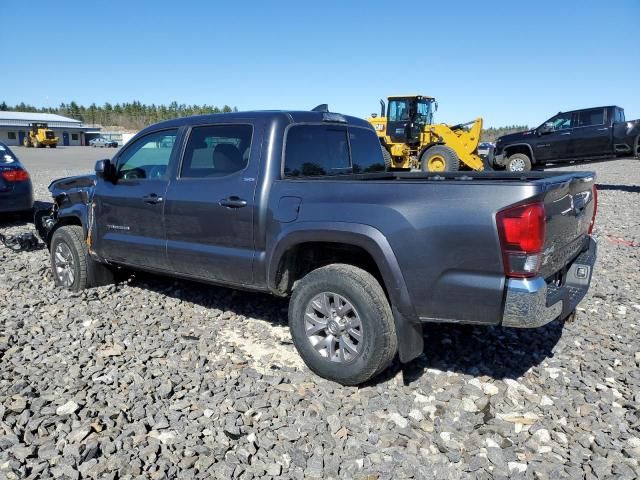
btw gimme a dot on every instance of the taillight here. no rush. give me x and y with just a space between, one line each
595 209
15 175
521 231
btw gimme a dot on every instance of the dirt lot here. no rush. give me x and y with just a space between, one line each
155 378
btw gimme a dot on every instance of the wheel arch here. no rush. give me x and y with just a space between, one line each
360 245
520 148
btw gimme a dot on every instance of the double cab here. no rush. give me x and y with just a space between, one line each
589 133
298 204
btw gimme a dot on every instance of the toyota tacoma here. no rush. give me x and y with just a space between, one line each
298 204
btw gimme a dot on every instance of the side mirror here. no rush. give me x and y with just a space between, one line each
545 128
104 169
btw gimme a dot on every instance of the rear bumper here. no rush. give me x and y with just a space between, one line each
19 199
531 302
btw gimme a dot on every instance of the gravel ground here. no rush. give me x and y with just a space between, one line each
156 378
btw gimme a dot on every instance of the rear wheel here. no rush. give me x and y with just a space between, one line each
518 162
342 325
36 143
440 159
388 159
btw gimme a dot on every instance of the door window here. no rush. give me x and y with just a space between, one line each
398 110
564 121
216 151
148 157
594 116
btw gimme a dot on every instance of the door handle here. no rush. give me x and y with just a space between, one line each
232 202
152 198
603 129
566 133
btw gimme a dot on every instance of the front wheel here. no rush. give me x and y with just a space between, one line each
518 162
71 264
440 159
342 325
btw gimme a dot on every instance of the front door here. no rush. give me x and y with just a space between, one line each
555 144
210 207
399 120
592 136
129 211
21 135
65 139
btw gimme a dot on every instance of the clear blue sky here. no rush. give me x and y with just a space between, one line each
511 62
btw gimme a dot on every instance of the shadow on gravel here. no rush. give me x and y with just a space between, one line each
571 163
494 352
618 187
248 304
15 219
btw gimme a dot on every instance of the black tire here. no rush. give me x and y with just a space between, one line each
53 146
444 158
378 344
518 162
388 159
86 271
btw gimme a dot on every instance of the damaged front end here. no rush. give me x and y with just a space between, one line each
72 198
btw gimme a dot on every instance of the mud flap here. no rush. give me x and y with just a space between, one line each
410 339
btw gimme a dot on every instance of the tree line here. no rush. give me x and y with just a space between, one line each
492 133
136 115
130 115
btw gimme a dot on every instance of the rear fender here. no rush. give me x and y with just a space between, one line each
408 327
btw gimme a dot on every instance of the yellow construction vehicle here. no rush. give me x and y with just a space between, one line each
39 135
410 140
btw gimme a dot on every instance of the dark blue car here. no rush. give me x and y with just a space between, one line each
16 191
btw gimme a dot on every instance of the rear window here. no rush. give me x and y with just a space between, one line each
595 116
320 150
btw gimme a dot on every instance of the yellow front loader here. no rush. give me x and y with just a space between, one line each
410 140
39 135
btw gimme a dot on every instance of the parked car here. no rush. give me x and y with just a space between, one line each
102 142
580 134
484 148
273 202
16 191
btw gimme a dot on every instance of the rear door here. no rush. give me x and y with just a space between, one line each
592 135
129 211
211 204
555 144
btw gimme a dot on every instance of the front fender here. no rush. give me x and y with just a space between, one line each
408 327
506 148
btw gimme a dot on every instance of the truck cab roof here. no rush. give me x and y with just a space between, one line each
289 116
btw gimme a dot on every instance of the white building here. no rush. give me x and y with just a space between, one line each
14 127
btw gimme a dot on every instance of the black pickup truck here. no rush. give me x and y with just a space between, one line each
298 204
585 134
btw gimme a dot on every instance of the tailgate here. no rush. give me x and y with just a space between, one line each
569 207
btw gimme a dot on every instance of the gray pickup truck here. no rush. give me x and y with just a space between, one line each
298 204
